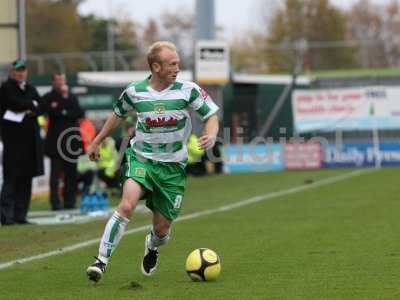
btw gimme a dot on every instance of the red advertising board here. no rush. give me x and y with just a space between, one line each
302 156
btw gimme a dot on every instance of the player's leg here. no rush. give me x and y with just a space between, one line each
132 192
157 237
168 182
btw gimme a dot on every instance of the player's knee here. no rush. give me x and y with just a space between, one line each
125 208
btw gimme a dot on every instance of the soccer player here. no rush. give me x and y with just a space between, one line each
156 158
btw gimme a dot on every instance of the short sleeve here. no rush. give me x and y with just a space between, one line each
124 104
202 103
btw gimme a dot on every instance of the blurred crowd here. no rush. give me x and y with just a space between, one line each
54 125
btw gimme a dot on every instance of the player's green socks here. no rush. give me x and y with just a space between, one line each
113 232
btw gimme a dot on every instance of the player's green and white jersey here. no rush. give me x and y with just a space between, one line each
163 121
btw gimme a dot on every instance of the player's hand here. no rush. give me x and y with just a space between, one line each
93 152
207 141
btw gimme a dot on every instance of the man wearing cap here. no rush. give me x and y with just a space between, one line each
22 144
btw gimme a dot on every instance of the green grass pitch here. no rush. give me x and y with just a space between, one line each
336 241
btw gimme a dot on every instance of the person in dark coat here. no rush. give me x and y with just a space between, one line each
22 144
63 143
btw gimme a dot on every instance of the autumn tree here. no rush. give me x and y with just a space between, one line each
179 29
150 34
275 47
318 23
124 30
392 34
376 27
247 53
127 35
54 26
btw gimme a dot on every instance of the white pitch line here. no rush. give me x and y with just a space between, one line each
224 208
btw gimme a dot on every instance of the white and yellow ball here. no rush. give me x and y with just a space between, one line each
203 265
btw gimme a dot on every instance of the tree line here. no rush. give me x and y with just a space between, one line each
327 37
364 36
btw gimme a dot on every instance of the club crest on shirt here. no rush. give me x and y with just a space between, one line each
140 172
159 108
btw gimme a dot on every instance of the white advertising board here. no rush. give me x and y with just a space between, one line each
362 108
212 62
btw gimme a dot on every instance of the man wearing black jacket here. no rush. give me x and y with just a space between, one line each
22 144
63 143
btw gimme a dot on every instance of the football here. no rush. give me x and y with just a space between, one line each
203 265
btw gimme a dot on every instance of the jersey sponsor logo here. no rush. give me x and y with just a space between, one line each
204 94
159 108
161 122
140 172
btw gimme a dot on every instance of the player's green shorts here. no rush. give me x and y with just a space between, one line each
164 183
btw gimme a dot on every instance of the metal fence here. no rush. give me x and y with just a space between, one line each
41 64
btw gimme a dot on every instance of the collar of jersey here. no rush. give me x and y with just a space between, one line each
155 91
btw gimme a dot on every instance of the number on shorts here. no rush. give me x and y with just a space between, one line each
178 202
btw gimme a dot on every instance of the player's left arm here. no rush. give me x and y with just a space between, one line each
206 109
210 131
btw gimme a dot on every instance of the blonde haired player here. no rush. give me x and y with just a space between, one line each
156 158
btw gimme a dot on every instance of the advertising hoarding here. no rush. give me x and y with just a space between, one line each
253 158
361 155
303 156
365 108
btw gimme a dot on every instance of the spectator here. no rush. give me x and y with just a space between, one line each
22 144
86 174
63 142
108 163
88 132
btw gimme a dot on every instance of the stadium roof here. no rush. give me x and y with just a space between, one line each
269 79
356 73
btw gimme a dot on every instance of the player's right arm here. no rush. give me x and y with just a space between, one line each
112 122
121 108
